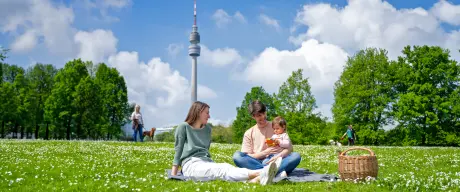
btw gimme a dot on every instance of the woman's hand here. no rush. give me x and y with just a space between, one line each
272 150
272 159
174 170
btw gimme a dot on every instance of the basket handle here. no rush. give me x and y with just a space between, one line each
358 148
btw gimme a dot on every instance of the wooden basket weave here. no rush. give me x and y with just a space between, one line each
357 167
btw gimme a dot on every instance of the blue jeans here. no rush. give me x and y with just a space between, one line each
268 158
288 164
139 129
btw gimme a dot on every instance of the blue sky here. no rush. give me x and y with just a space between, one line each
245 43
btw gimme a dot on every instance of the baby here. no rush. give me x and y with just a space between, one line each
281 139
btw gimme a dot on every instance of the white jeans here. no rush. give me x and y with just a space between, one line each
200 170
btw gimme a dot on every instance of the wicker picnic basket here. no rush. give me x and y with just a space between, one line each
357 167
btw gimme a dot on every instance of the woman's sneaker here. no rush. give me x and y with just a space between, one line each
268 173
278 162
279 177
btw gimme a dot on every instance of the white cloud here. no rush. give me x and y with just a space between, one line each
447 12
96 46
174 49
240 17
38 19
322 64
219 57
269 21
25 42
222 18
373 23
205 92
52 22
104 6
162 91
116 3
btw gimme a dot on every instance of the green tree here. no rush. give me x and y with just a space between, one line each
14 75
22 117
88 107
243 119
41 83
3 53
3 56
92 68
58 106
363 95
296 103
295 95
8 105
10 72
221 134
115 99
427 107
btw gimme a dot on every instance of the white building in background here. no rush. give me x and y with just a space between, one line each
128 129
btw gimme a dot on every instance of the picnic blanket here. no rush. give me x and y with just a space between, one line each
298 175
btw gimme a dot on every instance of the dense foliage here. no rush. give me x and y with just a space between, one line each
413 100
418 94
67 103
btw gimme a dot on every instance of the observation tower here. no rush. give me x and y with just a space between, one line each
194 51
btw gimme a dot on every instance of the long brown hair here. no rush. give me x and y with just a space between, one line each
194 112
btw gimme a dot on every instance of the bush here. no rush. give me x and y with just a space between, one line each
221 134
166 136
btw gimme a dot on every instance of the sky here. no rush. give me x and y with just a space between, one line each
244 43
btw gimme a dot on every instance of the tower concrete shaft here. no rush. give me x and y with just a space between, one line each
194 79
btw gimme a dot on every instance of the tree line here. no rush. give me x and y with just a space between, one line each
418 94
79 101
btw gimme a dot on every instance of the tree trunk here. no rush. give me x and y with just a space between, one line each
47 131
16 130
22 132
36 130
3 129
68 130
78 126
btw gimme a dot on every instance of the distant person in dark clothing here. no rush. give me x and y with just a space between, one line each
351 135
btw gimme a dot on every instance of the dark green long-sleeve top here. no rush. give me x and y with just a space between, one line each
191 142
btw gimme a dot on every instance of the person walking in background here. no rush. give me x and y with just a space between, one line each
138 123
351 135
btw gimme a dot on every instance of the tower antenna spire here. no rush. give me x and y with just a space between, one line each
194 12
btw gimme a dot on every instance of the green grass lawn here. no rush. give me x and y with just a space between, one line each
28 165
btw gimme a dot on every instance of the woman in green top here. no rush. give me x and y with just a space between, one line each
192 142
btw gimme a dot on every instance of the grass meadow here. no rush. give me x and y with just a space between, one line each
35 165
